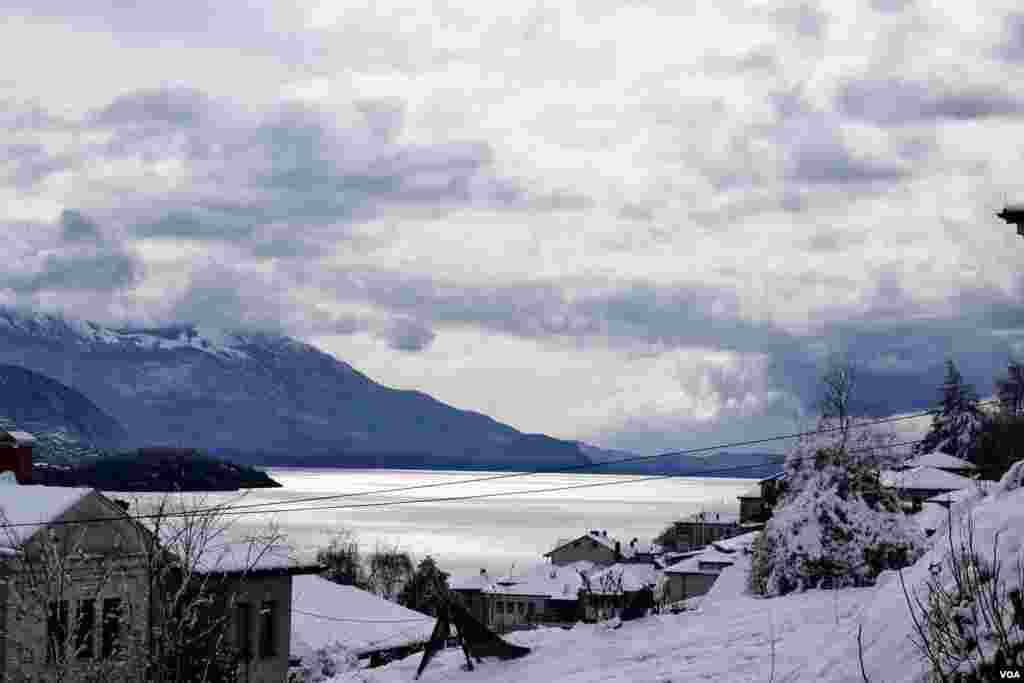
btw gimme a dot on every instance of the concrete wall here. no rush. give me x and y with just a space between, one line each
259 667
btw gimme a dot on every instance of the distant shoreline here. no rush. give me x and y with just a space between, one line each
594 469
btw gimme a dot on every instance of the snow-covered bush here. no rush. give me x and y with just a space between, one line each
324 663
970 619
834 524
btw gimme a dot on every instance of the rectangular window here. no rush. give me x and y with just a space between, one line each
268 639
56 630
242 630
520 608
499 607
85 622
111 627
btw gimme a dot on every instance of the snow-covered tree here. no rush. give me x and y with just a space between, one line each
958 423
835 524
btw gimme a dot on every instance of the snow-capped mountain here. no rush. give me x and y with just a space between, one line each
261 393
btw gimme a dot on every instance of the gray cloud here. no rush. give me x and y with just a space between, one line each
179 107
30 164
77 227
100 271
409 335
895 101
82 260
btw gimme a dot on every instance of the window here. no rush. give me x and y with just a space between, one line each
268 641
530 609
56 630
499 607
111 627
520 608
242 630
85 621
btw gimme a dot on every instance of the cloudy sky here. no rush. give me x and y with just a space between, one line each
641 224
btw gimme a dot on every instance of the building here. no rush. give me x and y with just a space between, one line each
16 454
757 502
331 618
700 529
541 594
694 576
79 593
624 590
595 546
917 484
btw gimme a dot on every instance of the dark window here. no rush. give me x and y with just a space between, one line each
268 637
530 608
111 627
85 622
242 630
499 607
57 630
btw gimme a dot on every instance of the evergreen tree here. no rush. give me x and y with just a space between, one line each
425 589
1010 390
835 524
955 428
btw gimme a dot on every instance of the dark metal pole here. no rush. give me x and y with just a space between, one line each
1014 215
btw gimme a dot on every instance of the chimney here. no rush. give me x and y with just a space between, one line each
16 455
483 572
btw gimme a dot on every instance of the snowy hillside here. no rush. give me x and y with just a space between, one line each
810 636
252 393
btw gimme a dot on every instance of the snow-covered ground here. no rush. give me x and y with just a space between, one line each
730 636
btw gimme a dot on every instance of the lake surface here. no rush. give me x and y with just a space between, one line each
515 527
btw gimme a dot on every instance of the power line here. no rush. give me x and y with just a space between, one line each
229 510
569 469
363 621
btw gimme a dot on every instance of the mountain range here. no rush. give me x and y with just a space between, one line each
260 398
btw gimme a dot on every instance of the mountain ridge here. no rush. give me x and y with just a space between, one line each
264 395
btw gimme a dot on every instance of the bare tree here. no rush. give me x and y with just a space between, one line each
390 569
836 405
119 600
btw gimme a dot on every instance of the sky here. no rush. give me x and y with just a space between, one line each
644 225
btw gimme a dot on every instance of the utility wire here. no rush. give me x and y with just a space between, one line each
227 510
364 621
571 468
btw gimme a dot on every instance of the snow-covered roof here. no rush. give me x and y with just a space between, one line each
471 582
640 548
34 505
541 580
708 517
736 543
693 564
942 461
754 492
594 535
326 614
19 437
925 478
635 577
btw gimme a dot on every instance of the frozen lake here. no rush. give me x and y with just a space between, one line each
518 526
